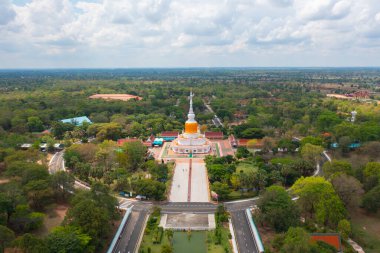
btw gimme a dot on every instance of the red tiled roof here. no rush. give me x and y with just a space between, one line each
214 135
242 142
331 239
147 144
169 134
120 142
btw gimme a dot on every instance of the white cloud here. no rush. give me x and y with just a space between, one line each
7 12
108 33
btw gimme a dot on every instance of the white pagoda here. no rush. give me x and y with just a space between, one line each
191 141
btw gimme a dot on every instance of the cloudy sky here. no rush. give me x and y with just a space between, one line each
188 33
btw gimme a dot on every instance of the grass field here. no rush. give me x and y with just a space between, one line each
246 167
234 195
366 230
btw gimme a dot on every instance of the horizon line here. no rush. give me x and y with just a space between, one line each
203 67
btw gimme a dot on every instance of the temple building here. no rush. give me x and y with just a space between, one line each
191 141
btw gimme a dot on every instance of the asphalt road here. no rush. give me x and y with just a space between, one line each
135 232
125 236
56 163
243 234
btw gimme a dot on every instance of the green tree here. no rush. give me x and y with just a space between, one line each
221 189
135 153
166 249
297 240
29 243
372 169
35 124
344 228
318 200
39 194
67 239
349 189
327 121
6 237
371 200
311 152
169 233
62 184
317 141
242 152
92 219
149 188
277 209
336 167
260 178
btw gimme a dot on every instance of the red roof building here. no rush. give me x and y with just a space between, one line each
120 142
332 239
242 142
214 135
169 134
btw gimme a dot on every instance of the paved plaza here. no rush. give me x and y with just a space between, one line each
184 221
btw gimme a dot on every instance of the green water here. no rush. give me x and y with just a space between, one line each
196 243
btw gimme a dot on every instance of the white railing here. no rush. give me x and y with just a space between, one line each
119 230
255 232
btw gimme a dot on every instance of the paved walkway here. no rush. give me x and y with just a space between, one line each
199 187
179 189
198 191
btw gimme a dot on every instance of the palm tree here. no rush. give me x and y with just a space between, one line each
170 234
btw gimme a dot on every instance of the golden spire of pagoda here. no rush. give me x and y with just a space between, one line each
191 125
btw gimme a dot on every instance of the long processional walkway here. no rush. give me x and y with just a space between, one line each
190 183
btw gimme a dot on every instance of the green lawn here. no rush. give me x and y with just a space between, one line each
147 242
246 167
225 245
234 195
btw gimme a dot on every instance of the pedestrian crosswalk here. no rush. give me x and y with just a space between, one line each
125 204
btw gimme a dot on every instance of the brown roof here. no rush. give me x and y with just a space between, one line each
169 134
214 135
331 239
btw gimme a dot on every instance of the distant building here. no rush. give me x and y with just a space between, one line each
77 121
26 146
120 142
123 97
361 94
59 146
255 144
242 142
169 135
332 239
214 135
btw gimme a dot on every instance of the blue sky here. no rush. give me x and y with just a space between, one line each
188 33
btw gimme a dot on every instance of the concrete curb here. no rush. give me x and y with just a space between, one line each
233 239
137 247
